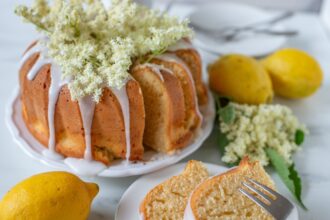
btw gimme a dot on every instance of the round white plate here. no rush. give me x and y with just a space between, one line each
128 207
225 14
152 160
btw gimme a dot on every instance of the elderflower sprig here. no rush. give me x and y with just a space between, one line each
253 129
95 46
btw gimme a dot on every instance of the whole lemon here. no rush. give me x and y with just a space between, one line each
241 78
49 196
294 73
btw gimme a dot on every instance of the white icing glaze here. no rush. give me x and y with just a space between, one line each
85 167
174 58
181 45
87 108
36 48
122 97
56 84
157 69
41 61
55 87
53 155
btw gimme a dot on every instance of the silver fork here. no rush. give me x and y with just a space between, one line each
231 33
278 206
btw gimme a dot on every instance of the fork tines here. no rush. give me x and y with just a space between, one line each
274 203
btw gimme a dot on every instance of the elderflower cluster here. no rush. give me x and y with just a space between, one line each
257 127
95 46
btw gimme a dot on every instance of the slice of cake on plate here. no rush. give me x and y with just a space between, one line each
169 199
219 197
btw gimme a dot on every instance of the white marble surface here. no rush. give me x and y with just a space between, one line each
312 161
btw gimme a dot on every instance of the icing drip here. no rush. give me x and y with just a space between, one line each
122 97
156 68
181 45
36 48
42 60
54 91
87 107
86 166
174 58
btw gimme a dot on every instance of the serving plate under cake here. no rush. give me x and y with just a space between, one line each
136 192
152 160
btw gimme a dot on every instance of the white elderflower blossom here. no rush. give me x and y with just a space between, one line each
95 46
258 127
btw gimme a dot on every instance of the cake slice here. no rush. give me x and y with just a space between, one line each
192 58
185 51
164 108
193 117
219 197
169 199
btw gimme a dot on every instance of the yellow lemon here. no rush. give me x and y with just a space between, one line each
294 73
241 78
49 196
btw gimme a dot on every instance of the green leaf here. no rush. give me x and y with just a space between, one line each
299 137
234 164
222 142
153 55
227 114
221 101
287 173
294 176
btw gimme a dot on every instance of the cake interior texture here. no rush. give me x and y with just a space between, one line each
169 199
219 197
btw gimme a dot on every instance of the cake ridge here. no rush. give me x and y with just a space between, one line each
57 85
86 104
122 97
172 57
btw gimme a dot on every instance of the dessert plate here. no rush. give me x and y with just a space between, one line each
227 14
128 207
152 160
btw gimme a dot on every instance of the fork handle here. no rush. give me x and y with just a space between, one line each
271 21
273 32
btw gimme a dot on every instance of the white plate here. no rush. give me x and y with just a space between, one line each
152 160
225 14
128 207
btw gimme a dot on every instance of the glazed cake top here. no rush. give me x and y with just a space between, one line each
94 45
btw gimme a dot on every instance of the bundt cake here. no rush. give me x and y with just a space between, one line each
219 197
96 88
68 126
169 199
